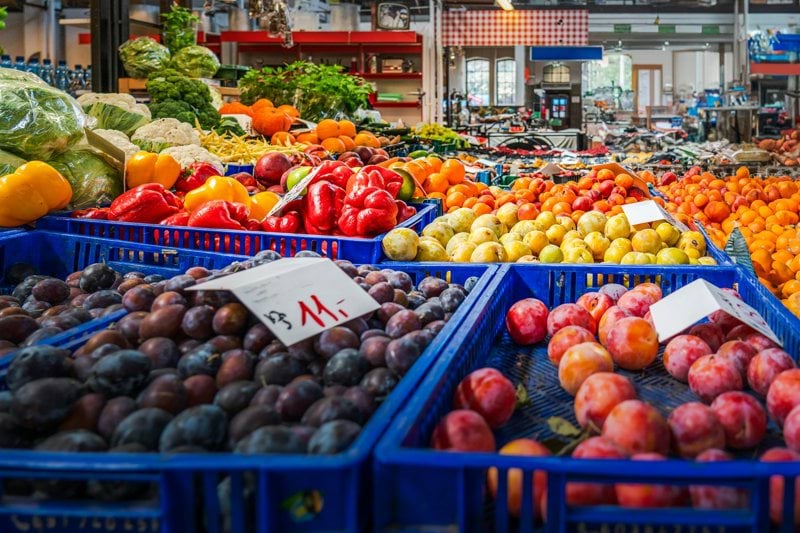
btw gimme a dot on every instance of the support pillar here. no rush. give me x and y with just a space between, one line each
110 28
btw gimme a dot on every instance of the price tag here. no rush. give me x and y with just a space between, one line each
294 193
297 298
643 212
697 300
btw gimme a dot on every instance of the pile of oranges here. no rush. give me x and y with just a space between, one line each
337 136
766 212
443 180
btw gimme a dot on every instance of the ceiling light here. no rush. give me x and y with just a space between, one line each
505 5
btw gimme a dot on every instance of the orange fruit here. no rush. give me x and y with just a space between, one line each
435 162
289 110
605 174
435 183
527 212
283 138
269 122
327 129
365 138
481 209
260 104
348 142
624 180
308 138
455 199
333 145
453 170
347 128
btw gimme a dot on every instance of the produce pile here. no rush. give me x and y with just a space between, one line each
189 372
764 211
603 352
539 221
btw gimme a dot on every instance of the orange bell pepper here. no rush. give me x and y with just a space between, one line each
261 203
217 188
30 192
147 167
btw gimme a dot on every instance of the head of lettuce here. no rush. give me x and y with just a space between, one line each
36 120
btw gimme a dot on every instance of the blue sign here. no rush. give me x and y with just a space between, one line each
566 53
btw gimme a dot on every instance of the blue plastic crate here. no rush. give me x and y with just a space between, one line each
421 488
58 255
262 488
233 242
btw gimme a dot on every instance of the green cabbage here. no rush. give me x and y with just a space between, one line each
115 111
94 182
195 62
37 121
19 75
9 163
142 56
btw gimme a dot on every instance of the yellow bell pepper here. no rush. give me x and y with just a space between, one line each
261 203
147 167
31 192
217 188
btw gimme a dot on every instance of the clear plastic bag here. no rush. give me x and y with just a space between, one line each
94 182
36 120
9 163
195 62
142 56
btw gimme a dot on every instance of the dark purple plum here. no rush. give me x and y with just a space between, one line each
257 338
331 408
44 403
333 437
200 389
97 277
382 292
122 373
138 298
203 425
388 310
237 365
333 340
196 322
114 412
165 322
53 291
379 382
267 396
85 413
231 319
162 352
272 439
401 354
166 392
279 369
346 368
296 398
249 420
167 298
236 396
402 323
16 328
143 427
204 359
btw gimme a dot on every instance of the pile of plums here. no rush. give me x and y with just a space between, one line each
42 306
195 371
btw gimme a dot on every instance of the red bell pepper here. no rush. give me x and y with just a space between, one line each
288 223
100 213
404 211
335 172
367 212
322 206
149 203
195 176
178 219
219 214
393 181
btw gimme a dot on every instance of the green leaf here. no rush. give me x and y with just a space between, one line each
523 399
563 427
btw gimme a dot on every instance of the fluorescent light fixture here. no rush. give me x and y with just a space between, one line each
505 5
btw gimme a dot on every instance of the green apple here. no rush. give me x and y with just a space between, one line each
295 176
551 254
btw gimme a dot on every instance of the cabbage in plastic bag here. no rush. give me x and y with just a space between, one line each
115 111
19 75
195 62
9 163
36 120
143 55
94 182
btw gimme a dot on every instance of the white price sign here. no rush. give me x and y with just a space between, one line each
297 298
551 169
648 211
697 300
295 193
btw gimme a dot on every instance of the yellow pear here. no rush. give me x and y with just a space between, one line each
555 233
462 252
646 241
400 244
440 231
523 227
515 250
491 222
617 227
536 240
457 239
431 250
489 252
461 219
507 213
544 220
482 235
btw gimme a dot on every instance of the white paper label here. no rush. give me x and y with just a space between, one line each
551 169
293 194
297 298
643 212
697 300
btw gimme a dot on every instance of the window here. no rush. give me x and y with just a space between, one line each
614 70
478 81
506 82
556 73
